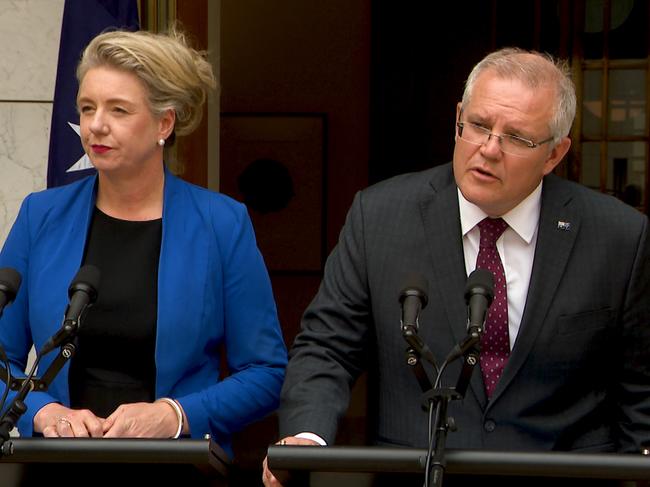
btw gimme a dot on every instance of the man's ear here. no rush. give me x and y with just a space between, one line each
557 153
459 111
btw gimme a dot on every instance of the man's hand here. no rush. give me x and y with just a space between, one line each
268 478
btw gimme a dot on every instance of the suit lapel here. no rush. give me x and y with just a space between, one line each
184 261
441 220
559 225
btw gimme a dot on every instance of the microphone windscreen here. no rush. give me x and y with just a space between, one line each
86 279
416 285
10 281
481 281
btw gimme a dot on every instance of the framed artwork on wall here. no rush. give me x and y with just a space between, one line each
276 163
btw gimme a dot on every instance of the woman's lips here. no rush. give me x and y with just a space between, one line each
100 149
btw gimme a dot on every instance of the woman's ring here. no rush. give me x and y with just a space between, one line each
64 421
283 442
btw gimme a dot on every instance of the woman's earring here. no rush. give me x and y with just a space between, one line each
161 142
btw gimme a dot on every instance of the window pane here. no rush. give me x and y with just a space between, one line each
592 105
627 102
626 171
628 38
593 29
590 167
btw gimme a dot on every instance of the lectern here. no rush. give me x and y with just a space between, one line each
474 463
111 454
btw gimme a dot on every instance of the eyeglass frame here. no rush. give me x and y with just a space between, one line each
528 143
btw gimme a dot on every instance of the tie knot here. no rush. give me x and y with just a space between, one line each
491 230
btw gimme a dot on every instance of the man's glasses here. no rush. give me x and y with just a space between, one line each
510 144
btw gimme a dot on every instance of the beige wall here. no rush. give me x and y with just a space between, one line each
29 34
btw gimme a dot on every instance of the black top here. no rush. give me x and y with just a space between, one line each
115 361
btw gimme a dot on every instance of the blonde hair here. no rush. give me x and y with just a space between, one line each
175 75
534 69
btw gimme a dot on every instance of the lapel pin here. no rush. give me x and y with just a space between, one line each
565 226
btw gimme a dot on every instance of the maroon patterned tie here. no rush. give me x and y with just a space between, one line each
495 343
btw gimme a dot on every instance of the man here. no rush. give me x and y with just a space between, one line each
573 371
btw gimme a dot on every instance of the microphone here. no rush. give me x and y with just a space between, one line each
9 284
82 293
413 299
479 293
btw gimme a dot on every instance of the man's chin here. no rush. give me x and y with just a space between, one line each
483 197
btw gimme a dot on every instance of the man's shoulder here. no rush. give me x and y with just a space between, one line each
412 184
592 204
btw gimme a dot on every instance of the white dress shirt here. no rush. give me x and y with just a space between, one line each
516 248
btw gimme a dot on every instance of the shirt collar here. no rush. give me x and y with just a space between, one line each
523 218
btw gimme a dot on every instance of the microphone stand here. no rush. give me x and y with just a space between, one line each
432 396
479 292
440 397
25 385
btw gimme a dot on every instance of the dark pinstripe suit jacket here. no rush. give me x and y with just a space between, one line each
579 373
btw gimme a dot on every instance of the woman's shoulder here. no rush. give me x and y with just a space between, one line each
208 200
61 196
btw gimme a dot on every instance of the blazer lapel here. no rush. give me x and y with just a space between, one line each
184 257
559 225
441 220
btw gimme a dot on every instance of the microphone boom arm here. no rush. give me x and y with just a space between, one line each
27 384
416 343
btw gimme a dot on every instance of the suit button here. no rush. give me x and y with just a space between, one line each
489 426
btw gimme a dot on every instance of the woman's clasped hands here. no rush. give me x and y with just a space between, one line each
137 420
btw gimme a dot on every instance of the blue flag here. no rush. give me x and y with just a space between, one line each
82 21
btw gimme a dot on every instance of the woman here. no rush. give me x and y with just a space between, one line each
181 276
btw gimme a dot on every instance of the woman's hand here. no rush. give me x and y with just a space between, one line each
142 420
55 420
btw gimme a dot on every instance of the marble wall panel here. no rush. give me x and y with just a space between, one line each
24 136
29 35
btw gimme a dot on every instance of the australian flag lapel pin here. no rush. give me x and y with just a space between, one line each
564 226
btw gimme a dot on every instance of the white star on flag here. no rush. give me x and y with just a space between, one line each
84 161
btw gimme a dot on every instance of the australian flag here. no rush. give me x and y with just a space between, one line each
82 20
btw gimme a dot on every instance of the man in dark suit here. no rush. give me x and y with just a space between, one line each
573 370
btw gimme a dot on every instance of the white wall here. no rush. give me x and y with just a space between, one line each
29 36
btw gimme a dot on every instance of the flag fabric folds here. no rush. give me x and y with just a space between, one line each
82 20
